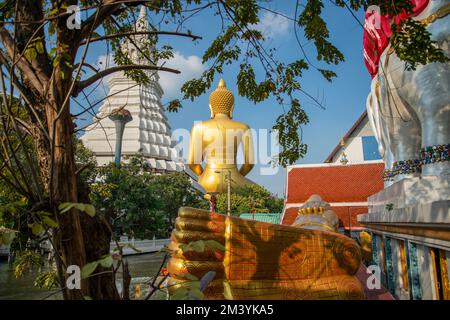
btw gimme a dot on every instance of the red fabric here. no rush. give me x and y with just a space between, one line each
340 183
375 40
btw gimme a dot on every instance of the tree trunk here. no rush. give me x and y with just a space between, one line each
79 239
63 188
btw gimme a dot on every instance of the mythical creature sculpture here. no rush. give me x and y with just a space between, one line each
307 260
410 109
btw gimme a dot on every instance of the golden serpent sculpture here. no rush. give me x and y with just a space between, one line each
264 260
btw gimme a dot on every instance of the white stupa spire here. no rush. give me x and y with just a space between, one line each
149 132
142 22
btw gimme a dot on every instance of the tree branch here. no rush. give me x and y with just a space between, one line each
173 33
85 83
22 63
108 7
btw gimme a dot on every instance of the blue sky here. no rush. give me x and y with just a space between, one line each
344 98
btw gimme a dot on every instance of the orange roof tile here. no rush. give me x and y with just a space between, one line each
340 183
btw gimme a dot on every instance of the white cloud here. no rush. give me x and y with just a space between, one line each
272 25
190 67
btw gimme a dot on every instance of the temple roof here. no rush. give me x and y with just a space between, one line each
335 183
349 133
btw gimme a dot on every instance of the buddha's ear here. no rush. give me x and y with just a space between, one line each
212 112
230 114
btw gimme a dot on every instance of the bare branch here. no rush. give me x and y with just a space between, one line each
106 9
22 63
85 83
172 33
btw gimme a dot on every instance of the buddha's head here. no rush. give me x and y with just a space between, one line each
221 100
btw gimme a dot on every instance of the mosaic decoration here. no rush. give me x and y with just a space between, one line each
403 167
433 154
375 257
413 270
438 153
389 266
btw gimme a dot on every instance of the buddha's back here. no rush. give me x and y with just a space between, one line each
217 141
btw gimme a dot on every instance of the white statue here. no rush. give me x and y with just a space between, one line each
414 106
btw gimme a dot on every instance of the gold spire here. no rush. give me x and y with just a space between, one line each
221 99
221 84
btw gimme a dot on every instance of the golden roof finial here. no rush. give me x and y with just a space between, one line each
222 83
221 99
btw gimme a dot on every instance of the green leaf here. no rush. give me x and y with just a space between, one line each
215 245
66 206
80 206
7 237
87 298
106 262
89 209
88 269
30 53
85 207
195 294
50 222
198 246
37 229
180 294
39 47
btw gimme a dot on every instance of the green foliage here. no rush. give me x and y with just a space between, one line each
86 162
143 204
47 280
243 199
6 236
26 260
190 290
316 29
106 261
412 44
410 39
89 209
287 126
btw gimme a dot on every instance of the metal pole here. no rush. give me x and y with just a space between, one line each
120 125
229 192
213 203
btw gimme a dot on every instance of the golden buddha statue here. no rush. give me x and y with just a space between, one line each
308 260
217 141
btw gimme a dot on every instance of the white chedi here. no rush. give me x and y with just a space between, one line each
149 133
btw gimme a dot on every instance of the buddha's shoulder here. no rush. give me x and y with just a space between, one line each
230 122
241 125
212 124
